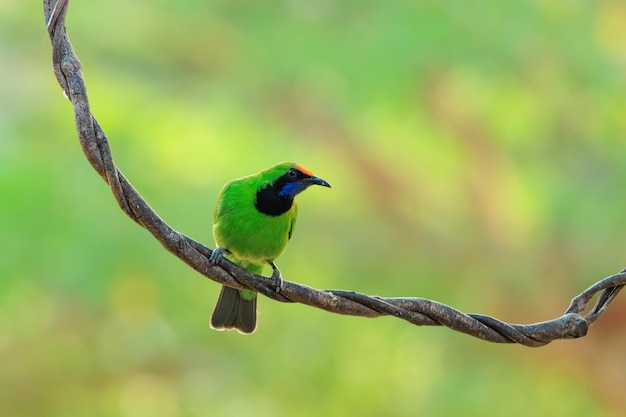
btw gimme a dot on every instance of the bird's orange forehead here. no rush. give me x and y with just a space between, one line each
304 170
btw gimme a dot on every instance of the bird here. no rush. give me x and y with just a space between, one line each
254 219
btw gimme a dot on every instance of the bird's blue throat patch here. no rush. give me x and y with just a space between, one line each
291 189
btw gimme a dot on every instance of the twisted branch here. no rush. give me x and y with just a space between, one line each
419 311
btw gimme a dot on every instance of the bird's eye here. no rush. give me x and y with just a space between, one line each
292 173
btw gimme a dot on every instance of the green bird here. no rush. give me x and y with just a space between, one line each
254 219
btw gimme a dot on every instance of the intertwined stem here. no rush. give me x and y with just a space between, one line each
419 311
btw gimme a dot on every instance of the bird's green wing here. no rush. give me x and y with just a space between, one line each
292 226
220 206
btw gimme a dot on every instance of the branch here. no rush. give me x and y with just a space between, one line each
419 311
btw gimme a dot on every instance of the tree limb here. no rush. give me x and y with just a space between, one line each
419 311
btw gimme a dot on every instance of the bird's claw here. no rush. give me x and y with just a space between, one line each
216 255
276 277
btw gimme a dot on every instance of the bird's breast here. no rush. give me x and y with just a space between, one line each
253 236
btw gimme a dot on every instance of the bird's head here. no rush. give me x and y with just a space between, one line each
297 179
283 183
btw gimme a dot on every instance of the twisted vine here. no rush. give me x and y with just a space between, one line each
418 311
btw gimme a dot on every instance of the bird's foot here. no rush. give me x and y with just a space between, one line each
217 254
276 277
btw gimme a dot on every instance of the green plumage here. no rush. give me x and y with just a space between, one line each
254 219
252 236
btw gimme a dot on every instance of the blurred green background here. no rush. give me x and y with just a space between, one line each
477 156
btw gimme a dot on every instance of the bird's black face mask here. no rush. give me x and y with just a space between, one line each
277 198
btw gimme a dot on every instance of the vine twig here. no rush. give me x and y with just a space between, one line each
418 311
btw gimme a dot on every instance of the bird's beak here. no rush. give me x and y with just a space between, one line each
312 180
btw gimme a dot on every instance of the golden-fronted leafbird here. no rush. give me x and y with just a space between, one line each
254 219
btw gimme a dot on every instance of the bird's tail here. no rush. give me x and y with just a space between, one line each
235 309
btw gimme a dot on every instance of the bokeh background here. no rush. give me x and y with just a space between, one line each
477 156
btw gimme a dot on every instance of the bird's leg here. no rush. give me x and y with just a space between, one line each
276 277
217 254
